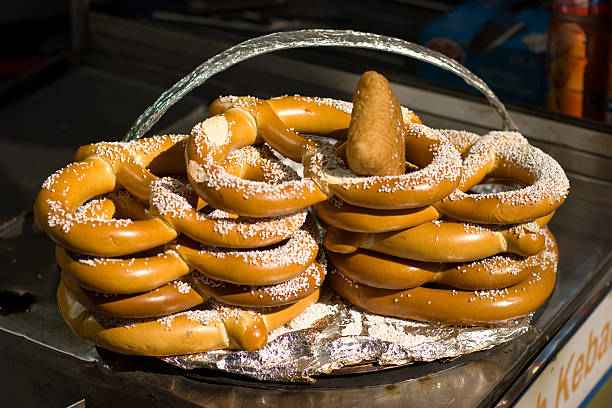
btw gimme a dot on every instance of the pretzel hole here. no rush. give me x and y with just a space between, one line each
169 162
514 172
410 167
494 185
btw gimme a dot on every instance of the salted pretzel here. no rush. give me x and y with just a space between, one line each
357 219
496 272
262 266
188 332
278 294
279 190
173 297
461 140
194 289
122 275
458 307
280 120
439 173
102 168
172 200
506 155
442 241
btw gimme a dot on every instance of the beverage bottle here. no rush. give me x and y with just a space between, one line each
578 42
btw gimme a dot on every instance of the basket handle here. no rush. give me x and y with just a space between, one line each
301 39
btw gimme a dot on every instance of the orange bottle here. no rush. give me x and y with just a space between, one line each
578 38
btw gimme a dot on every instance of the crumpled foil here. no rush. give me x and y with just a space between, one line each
332 334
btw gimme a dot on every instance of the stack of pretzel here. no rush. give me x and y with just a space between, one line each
183 244
423 246
149 268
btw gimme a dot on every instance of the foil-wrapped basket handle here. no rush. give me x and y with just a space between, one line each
302 39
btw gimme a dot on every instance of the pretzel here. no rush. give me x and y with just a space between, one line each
281 191
170 298
192 331
279 294
376 116
170 199
122 276
472 308
100 170
55 213
280 119
507 155
439 174
364 267
194 289
442 241
356 219
263 266
461 140
141 274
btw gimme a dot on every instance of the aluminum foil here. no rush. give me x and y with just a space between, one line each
332 334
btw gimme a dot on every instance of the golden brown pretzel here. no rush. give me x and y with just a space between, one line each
462 140
193 290
95 173
507 155
279 294
172 200
442 241
104 164
141 274
188 332
122 276
458 307
375 142
263 266
170 298
349 218
280 119
389 272
64 191
439 174
280 191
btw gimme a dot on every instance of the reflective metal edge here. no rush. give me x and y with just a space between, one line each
589 299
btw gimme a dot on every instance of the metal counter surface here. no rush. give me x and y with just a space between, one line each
46 365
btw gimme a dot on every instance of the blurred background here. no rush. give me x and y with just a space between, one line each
75 71
547 55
